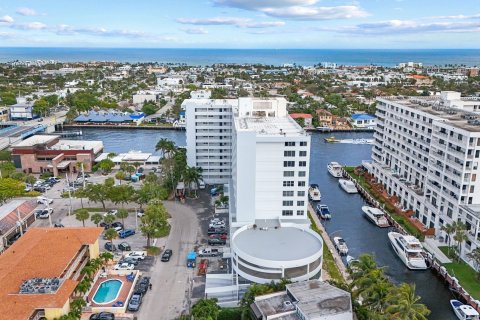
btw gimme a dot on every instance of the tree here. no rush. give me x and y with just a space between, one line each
460 236
41 107
165 146
6 169
120 175
110 235
30 179
474 256
206 309
109 218
404 304
10 188
154 221
98 192
449 229
192 176
82 215
121 194
149 108
106 165
96 218
122 214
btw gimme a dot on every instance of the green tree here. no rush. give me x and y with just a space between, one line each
41 107
6 169
449 229
122 214
405 304
206 309
120 175
10 188
154 221
192 177
165 146
82 215
111 234
96 218
460 236
474 256
149 108
106 165
98 192
30 179
8 98
108 219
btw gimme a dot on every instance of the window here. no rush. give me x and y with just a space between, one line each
303 143
288 203
289 163
301 183
303 153
300 203
289 153
301 193
301 163
288 193
290 144
288 173
302 173
288 183
300 212
287 212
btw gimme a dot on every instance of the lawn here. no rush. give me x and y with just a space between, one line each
464 273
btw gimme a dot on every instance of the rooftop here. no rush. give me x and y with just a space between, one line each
36 139
264 243
10 211
285 126
96 146
40 253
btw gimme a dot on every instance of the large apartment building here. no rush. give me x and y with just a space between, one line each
426 152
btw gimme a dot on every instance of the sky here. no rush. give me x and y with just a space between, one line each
276 24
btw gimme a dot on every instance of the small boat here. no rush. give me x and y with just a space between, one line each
348 186
341 245
314 193
324 129
351 260
409 250
335 169
376 216
464 311
331 139
323 211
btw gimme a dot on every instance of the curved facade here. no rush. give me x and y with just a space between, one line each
265 254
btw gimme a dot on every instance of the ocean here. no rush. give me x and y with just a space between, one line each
276 57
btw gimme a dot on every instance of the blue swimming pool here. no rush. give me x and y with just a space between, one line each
107 291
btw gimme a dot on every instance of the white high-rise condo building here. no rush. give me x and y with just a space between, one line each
427 152
267 175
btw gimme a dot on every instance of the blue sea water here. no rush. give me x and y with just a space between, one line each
277 57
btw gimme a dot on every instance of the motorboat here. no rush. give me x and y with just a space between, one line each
348 186
335 169
314 193
323 211
341 245
351 261
464 311
376 216
409 250
331 139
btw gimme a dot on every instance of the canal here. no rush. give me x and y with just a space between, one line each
347 218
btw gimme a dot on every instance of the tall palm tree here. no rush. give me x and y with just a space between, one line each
192 175
164 146
460 236
449 229
405 304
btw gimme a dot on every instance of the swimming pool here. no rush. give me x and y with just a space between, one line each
107 291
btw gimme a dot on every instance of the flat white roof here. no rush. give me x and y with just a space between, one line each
281 244
97 146
269 125
36 139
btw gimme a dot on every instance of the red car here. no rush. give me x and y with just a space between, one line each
218 236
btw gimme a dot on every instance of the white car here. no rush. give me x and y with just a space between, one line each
111 213
140 213
124 266
136 255
217 225
44 200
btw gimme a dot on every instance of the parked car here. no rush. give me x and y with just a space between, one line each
216 242
42 214
140 213
105 225
217 225
129 260
53 179
58 225
15 237
124 266
117 224
124 246
102 316
44 200
217 231
110 213
137 255
39 189
209 252
126 233
135 302
166 255
219 236
142 286
110 247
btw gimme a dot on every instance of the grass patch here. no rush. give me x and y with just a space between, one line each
401 220
463 272
328 261
153 251
230 314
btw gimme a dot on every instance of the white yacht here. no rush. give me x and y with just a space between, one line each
341 245
335 169
323 211
464 311
409 250
376 216
314 193
348 186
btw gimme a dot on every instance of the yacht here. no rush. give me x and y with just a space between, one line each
314 193
464 311
323 212
409 250
376 216
341 245
335 169
348 186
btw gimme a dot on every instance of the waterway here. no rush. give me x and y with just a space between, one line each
348 221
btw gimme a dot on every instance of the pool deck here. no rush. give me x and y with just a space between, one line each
122 296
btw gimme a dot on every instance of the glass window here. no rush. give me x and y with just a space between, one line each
289 153
287 212
302 163
303 153
289 163
288 183
302 173
301 183
300 203
290 144
301 193
288 193
303 143
288 203
300 212
288 173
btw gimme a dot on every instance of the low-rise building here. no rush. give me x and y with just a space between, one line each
40 271
306 300
324 117
49 153
363 120
15 217
22 111
307 118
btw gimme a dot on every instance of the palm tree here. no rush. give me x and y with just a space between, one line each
110 235
120 175
105 257
449 229
404 304
166 147
89 270
460 236
123 165
192 175
474 256
82 215
96 218
362 266
122 214
111 155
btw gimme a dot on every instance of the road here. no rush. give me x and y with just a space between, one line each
171 281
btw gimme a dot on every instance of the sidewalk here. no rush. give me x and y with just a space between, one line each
431 245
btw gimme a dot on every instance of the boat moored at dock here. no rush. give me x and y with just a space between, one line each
409 250
464 311
341 245
323 211
376 216
335 169
347 185
314 193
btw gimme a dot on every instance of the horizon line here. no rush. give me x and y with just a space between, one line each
217 48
